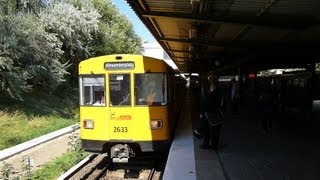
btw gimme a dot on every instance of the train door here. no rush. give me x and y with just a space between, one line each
120 103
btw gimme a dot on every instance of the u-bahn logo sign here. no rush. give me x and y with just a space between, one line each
119 65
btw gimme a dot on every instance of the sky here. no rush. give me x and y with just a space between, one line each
138 26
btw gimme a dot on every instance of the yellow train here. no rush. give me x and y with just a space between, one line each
128 105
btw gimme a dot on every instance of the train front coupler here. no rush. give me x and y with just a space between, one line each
121 153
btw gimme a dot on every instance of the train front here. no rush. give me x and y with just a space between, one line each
123 109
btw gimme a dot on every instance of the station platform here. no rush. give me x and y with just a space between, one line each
289 151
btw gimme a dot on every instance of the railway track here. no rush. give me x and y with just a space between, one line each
100 167
37 149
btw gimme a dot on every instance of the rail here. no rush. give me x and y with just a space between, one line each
101 167
9 152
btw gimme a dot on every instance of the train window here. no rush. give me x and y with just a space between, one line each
296 82
119 89
92 90
302 83
290 82
150 89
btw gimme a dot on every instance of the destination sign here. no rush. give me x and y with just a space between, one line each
119 65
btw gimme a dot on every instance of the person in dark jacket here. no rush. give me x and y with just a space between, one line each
235 97
265 103
313 85
210 104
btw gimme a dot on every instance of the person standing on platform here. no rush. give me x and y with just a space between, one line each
212 102
235 97
313 85
265 103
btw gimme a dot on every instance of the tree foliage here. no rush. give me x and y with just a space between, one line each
7 7
74 27
116 33
42 42
28 55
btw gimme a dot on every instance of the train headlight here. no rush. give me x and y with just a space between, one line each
155 124
88 124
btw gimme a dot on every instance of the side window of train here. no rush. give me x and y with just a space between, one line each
302 83
150 89
296 82
92 90
120 94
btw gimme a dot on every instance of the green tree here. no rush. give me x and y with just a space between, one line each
43 41
116 33
27 53
21 6
29 6
74 28
7 7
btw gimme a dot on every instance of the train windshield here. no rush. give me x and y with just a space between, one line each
150 89
119 85
92 90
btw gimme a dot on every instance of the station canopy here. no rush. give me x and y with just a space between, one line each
200 35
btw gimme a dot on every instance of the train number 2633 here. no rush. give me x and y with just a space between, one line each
120 129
